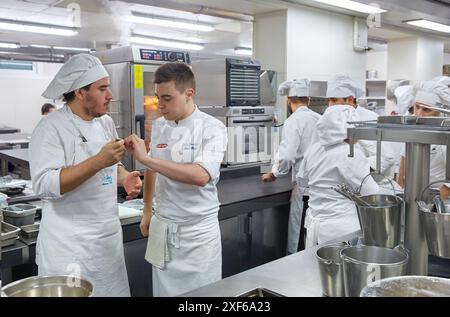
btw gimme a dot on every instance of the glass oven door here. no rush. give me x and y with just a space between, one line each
249 139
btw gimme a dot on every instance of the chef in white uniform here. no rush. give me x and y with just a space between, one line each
430 93
326 164
74 156
186 150
299 132
344 90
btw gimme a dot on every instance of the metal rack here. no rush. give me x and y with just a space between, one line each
418 133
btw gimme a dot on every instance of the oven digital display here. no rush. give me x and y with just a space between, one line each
163 56
252 111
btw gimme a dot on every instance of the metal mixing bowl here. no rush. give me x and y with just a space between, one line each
408 286
49 286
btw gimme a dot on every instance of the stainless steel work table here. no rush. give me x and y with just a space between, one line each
296 275
17 157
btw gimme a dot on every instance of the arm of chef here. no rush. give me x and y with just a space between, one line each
205 166
47 158
288 149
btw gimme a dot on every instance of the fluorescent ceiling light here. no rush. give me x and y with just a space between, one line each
63 48
165 42
353 5
422 23
243 51
9 45
170 23
21 26
78 49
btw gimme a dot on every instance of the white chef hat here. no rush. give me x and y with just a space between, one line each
405 98
443 80
332 126
432 93
342 86
79 71
295 88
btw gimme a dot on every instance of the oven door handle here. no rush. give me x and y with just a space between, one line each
251 121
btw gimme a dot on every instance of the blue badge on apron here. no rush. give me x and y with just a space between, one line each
106 176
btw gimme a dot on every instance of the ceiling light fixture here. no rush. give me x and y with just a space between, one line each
9 45
155 41
426 24
22 26
353 5
243 51
143 18
62 48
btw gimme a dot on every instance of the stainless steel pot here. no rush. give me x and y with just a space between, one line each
436 225
365 264
381 222
408 286
331 273
49 286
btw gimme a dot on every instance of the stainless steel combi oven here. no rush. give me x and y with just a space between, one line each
229 89
249 133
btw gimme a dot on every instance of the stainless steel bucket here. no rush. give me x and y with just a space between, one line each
381 222
363 265
436 225
49 286
437 232
331 272
408 286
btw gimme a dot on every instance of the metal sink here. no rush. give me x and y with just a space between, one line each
261 292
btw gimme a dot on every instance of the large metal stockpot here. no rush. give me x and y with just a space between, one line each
49 286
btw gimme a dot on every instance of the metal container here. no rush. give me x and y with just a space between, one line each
20 215
381 222
436 225
29 231
49 286
363 265
331 272
408 286
9 231
437 232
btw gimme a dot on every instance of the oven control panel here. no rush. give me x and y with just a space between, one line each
253 111
163 56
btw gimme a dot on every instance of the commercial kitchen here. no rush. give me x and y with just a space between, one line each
253 61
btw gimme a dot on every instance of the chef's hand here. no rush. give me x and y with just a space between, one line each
111 153
145 223
132 184
268 177
136 147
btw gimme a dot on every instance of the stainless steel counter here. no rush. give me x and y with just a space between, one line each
296 275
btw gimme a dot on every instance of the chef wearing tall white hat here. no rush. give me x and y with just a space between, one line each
75 168
429 96
299 132
343 90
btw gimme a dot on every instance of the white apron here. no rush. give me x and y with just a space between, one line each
81 232
295 219
323 228
185 256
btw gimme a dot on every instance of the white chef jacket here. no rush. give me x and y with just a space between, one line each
200 139
80 231
324 168
438 154
299 132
